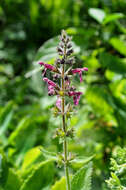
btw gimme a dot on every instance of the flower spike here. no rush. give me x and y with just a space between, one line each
62 71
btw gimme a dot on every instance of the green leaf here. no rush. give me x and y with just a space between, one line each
41 176
48 155
82 179
119 45
101 97
78 162
13 181
48 50
32 156
97 14
8 107
22 139
112 17
0 164
113 63
3 169
59 185
5 124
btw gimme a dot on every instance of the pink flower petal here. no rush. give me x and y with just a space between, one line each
79 71
51 90
49 82
58 103
76 96
47 66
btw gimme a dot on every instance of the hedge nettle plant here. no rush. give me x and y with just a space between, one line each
60 86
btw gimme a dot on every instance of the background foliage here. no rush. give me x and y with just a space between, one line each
98 28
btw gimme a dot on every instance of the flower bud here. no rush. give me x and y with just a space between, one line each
69 52
69 46
60 51
70 61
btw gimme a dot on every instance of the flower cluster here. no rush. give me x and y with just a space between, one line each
63 70
61 86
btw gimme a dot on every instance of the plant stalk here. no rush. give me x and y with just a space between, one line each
65 149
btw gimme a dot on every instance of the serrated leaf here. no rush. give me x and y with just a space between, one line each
40 176
119 45
78 162
13 181
59 185
82 178
97 14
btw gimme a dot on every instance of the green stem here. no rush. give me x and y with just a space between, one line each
65 131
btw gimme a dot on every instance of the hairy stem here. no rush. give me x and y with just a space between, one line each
65 131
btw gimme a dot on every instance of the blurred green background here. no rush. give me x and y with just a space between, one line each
98 28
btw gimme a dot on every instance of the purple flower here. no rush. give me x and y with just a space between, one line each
47 66
51 86
76 96
49 82
79 71
58 103
51 90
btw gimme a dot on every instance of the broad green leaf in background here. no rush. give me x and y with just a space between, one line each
97 14
6 116
59 185
113 63
119 45
4 112
22 139
112 17
41 176
34 10
82 178
47 51
32 156
0 164
13 181
103 18
101 97
3 169
4 126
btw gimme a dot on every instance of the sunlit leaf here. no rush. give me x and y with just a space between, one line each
119 45
32 156
40 177
82 179
112 17
59 185
13 181
97 14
